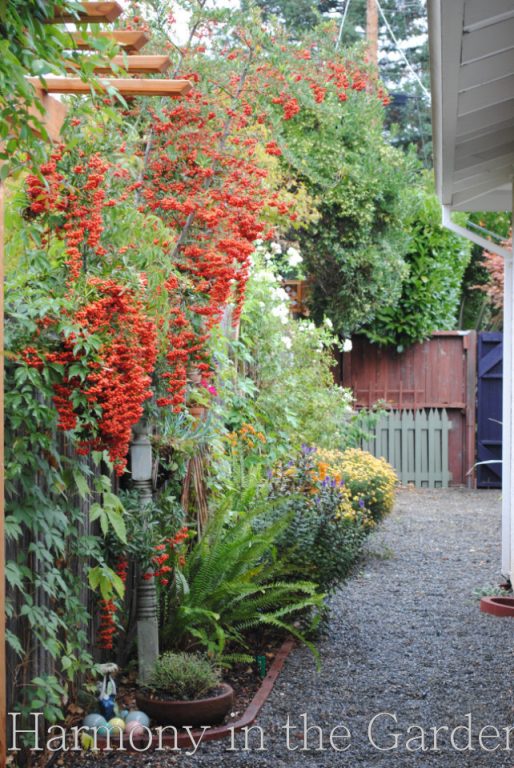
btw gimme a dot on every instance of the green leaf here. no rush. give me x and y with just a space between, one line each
118 524
81 483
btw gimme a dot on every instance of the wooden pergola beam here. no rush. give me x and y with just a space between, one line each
130 40
125 86
135 65
54 111
90 13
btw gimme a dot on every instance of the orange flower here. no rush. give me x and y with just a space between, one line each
323 468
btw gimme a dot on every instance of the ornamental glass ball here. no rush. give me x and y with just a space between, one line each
116 724
94 720
138 716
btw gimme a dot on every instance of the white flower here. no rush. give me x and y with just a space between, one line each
281 311
293 257
276 247
347 345
280 293
328 322
287 342
265 276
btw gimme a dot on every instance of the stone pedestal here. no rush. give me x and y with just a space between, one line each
147 626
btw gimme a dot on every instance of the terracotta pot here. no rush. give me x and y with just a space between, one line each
209 711
498 606
196 410
198 413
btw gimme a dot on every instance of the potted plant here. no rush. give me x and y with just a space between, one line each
185 689
198 402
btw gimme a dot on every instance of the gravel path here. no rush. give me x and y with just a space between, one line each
405 637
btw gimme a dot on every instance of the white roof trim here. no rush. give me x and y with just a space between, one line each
472 68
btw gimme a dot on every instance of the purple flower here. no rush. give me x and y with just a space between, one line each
361 503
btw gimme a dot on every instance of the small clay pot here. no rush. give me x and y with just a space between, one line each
208 711
498 606
197 411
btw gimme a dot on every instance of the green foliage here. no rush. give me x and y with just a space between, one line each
29 45
354 251
408 116
107 582
184 676
47 489
316 544
232 583
430 294
278 375
110 513
476 311
298 15
147 526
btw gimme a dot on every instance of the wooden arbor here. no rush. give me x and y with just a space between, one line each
133 63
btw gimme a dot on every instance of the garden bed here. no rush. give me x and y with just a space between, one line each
250 694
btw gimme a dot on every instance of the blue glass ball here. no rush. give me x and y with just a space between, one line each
139 717
94 720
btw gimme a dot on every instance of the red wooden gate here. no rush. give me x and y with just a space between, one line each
438 373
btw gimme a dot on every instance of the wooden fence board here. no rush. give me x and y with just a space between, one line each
439 373
415 443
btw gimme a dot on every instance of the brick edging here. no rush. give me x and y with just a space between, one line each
221 731
252 711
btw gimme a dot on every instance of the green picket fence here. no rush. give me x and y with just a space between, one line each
415 443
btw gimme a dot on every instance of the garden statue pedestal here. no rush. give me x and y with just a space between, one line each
147 627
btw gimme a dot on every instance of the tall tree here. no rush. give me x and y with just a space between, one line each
297 15
408 117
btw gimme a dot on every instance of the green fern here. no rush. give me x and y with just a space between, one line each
232 582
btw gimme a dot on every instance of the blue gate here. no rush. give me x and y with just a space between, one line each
489 409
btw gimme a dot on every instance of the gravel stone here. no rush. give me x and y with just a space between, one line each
405 636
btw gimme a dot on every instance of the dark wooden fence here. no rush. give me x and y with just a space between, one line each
439 373
36 661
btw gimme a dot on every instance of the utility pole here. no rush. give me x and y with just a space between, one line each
372 31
